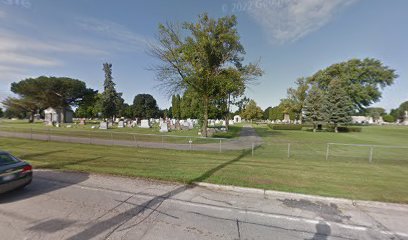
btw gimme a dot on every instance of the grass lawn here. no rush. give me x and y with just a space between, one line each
131 134
268 169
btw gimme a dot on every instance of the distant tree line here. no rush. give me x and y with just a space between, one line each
36 94
334 94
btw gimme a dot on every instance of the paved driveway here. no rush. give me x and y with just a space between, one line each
82 206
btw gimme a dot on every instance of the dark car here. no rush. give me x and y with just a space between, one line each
14 173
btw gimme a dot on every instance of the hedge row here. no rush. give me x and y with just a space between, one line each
285 127
349 129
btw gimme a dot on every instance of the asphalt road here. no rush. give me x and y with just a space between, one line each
82 206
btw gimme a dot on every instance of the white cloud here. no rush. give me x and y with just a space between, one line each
290 20
121 37
10 41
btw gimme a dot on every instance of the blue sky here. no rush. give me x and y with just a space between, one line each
292 38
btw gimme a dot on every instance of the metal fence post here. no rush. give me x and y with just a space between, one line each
370 159
90 138
163 142
288 150
327 151
31 133
113 141
134 139
49 137
253 148
220 145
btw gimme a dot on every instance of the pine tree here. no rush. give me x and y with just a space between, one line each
338 106
313 108
110 98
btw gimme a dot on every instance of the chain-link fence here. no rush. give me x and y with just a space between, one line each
117 138
364 153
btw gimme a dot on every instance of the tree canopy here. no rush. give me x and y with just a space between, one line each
145 106
252 111
362 79
51 91
207 59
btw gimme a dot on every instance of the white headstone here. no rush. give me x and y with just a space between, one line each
286 118
103 125
405 122
163 127
144 123
237 119
121 124
231 122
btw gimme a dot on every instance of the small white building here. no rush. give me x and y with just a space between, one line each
237 119
58 115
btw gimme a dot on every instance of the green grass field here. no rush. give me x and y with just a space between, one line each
130 134
306 171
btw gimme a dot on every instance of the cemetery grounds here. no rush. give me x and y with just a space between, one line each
291 161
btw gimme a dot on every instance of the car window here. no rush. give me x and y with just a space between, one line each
6 159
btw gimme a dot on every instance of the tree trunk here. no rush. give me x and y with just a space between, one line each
31 117
205 123
314 127
227 113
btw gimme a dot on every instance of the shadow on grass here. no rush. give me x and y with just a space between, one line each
119 220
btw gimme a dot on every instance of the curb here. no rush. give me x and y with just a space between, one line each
280 194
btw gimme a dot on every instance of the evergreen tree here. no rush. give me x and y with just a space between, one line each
338 106
313 107
110 99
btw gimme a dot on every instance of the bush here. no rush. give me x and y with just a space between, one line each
349 129
389 118
285 127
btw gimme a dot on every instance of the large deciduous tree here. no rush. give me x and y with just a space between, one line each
39 93
362 79
295 100
145 106
252 111
202 56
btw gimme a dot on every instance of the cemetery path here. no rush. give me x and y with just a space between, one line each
247 139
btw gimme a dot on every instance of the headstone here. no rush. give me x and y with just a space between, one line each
103 125
405 122
121 124
164 127
237 119
82 122
177 126
217 122
286 118
144 123
110 124
231 122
